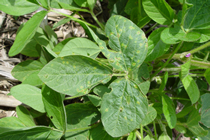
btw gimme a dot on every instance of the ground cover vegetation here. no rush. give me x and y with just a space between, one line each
125 82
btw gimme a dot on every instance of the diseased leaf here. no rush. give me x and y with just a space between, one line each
79 118
128 42
159 11
169 111
29 95
10 123
151 115
80 46
74 75
156 47
24 116
26 33
27 72
198 16
205 110
17 7
54 107
98 133
125 104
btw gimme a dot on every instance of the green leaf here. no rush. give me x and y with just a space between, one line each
80 46
61 22
54 107
25 116
176 35
197 130
29 95
57 49
17 7
164 136
180 129
51 35
101 90
205 35
169 111
81 3
10 123
27 72
156 47
26 33
128 42
74 75
91 3
159 11
164 82
198 16
118 7
96 101
205 110
98 133
79 118
184 112
40 37
193 118
151 115
132 135
38 132
125 104
191 88
207 75
31 49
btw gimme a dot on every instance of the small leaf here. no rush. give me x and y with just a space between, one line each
132 135
26 33
125 104
91 3
25 116
169 111
27 72
79 118
17 7
197 130
205 110
54 107
10 123
180 129
29 95
96 101
74 75
164 136
51 35
184 112
193 118
156 47
98 133
151 115
159 11
128 42
207 75
164 82
81 3
57 49
31 49
80 46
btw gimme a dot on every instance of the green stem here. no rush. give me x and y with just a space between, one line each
73 97
138 134
118 74
200 48
73 18
154 126
177 98
169 59
149 131
142 132
150 29
95 18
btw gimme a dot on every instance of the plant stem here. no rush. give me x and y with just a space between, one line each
73 18
118 74
200 48
177 98
95 18
138 134
73 97
169 59
150 29
148 131
142 132
154 126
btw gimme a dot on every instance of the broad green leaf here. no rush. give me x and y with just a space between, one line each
98 133
25 116
80 46
74 75
156 47
169 111
31 49
17 7
91 3
96 101
54 107
151 115
101 90
164 136
180 129
51 35
29 95
10 123
197 130
207 75
185 69
40 37
191 88
79 117
176 35
125 104
81 3
193 118
57 49
207 137
159 11
44 3
27 72
205 35
128 42
205 110
29 133
118 7
198 16
148 138
132 135
184 112
26 33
